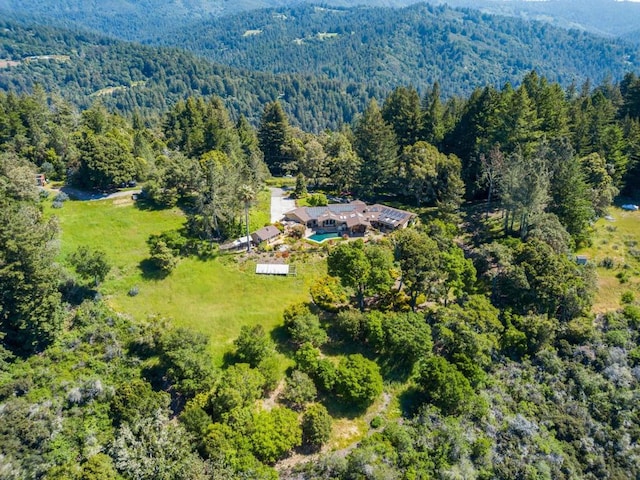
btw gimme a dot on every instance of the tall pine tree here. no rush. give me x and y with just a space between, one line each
375 143
273 136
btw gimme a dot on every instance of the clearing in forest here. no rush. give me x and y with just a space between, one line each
615 251
216 296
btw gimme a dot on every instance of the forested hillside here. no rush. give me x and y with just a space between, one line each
84 68
604 17
337 60
139 21
415 46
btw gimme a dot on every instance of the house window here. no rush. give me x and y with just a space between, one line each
329 223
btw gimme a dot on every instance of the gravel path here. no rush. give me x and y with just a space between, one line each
78 194
280 204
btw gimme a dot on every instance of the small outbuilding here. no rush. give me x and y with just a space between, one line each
581 259
273 269
266 234
41 180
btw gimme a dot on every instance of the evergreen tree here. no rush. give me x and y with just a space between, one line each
569 192
273 136
433 127
401 110
30 303
375 143
254 170
344 164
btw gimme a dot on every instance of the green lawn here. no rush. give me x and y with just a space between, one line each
215 297
618 240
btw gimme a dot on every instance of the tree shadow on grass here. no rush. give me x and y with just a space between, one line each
342 348
229 358
150 271
339 408
410 401
146 205
393 370
75 294
281 338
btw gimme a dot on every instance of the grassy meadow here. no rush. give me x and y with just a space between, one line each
616 252
215 297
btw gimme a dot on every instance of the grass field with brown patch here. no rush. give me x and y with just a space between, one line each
616 243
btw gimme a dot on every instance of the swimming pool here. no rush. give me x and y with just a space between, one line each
321 237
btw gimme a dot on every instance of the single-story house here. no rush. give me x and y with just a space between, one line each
352 218
266 234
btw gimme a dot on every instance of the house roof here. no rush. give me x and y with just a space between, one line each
300 214
265 233
354 213
390 216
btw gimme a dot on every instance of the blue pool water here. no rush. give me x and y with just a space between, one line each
321 237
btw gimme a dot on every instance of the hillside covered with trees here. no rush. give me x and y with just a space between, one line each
323 65
140 21
83 68
465 345
417 45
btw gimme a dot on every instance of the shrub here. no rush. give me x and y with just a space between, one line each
328 294
632 314
61 197
607 263
623 277
274 433
634 357
269 367
316 426
297 231
627 297
317 200
376 422
616 338
579 331
299 390
358 380
133 291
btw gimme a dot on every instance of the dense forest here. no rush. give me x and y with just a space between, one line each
332 77
603 17
141 21
481 330
417 45
84 68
